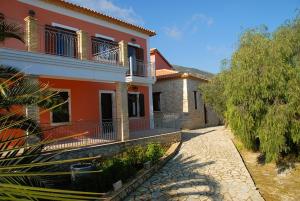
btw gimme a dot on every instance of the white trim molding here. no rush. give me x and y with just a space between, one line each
134 45
45 65
140 80
105 37
64 26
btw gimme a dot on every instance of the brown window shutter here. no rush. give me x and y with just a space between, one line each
140 54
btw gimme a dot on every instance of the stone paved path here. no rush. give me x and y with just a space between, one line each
207 167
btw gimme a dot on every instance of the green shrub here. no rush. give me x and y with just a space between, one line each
126 166
114 170
136 156
154 152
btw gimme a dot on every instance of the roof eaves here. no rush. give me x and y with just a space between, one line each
103 16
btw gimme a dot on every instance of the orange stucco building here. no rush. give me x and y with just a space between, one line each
99 65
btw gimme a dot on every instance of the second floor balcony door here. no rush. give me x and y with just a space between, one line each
136 60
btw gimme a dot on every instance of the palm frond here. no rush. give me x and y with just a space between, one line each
10 30
25 169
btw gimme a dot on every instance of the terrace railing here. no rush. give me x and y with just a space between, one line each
140 68
81 133
61 42
105 51
77 134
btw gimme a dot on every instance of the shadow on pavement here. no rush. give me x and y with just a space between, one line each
179 179
187 135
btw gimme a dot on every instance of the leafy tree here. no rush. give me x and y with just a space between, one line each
213 94
259 91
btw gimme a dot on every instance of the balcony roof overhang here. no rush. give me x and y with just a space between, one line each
45 65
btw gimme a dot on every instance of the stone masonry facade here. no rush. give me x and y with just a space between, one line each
177 100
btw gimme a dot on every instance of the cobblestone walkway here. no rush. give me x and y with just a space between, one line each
207 167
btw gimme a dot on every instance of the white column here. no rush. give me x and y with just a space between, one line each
151 116
185 102
131 66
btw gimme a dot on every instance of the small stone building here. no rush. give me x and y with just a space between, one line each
176 96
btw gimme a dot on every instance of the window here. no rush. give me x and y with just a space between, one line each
61 114
195 100
156 101
136 105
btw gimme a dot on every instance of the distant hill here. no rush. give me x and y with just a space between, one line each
193 70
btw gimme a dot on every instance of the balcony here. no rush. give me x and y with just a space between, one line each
105 51
57 45
140 70
60 42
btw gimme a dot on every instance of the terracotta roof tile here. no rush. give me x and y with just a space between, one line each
164 72
102 16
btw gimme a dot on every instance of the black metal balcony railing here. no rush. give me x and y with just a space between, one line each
64 42
59 41
105 51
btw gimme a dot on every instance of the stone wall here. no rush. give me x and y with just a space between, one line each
111 149
184 113
171 95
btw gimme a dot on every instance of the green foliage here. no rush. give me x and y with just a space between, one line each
126 166
154 152
17 91
136 155
10 30
213 94
258 93
114 170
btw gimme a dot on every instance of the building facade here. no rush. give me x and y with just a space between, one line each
176 95
99 65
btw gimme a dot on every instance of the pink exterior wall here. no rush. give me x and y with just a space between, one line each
85 107
141 123
160 62
17 11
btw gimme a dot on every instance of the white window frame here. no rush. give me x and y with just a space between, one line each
70 111
104 37
138 106
64 26
134 44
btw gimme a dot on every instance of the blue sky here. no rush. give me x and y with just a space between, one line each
198 33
